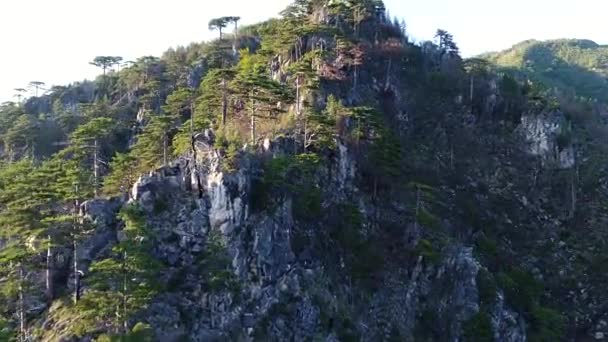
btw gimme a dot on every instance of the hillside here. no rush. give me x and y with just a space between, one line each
315 177
572 65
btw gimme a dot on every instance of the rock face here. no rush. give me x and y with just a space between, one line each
101 213
547 132
508 325
275 289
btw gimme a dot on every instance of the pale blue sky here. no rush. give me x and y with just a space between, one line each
53 40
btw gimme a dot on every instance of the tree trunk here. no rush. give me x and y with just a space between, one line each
22 331
76 275
192 126
75 254
124 294
298 96
356 78
252 119
471 91
224 103
305 135
95 169
388 74
165 149
49 271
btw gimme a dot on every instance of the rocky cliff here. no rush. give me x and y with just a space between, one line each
275 275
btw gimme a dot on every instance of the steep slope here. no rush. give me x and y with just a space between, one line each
313 177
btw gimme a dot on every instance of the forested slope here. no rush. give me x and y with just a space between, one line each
312 177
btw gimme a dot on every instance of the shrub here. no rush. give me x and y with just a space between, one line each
478 328
215 265
140 333
289 175
161 204
486 285
428 252
486 248
547 325
521 289
307 204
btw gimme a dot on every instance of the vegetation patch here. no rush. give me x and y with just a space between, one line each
289 176
478 328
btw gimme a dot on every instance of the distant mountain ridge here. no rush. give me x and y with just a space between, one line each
576 66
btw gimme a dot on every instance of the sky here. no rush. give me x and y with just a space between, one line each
53 40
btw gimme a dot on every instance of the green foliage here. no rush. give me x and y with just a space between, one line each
361 254
161 204
229 142
347 232
521 289
546 325
322 126
22 133
6 332
140 333
427 251
216 90
178 103
289 175
486 248
382 163
487 287
425 199
96 128
478 328
307 204
126 280
24 196
260 93
122 176
575 66
215 264
426 219
347 331
425 328
152 147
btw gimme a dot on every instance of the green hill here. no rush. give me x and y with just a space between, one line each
576 66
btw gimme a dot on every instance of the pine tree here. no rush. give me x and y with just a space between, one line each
152 148
105 62
21 213
36 85
475 67
218 24
261 94
88 138
123 174
21 136
72 187
124 283
215 93
179 105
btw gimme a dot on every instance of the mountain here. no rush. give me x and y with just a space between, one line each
312 177
576 66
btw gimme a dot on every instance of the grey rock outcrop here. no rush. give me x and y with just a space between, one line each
546 132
